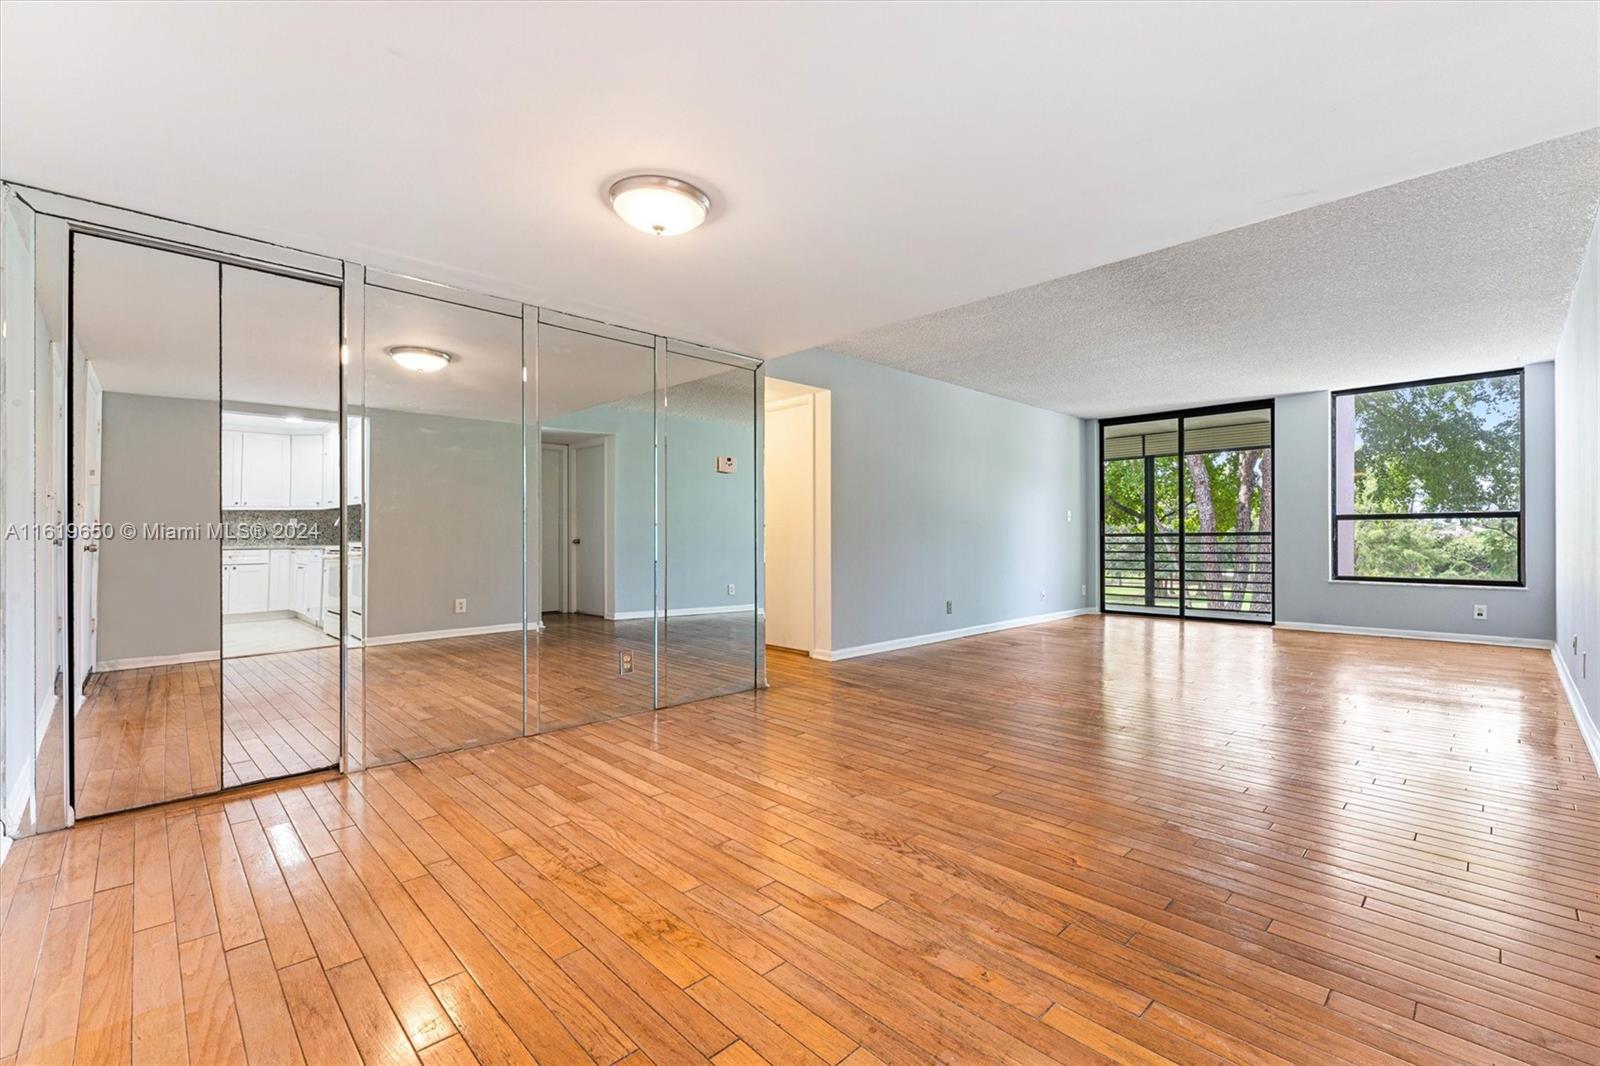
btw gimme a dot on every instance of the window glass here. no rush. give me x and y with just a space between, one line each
1428 481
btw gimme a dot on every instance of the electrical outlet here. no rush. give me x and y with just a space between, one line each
461 605
1574 643
1480 610
949 606
730 588
1083 590
624 663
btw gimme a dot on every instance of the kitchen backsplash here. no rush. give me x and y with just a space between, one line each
279 528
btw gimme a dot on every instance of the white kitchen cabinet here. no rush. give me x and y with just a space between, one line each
280 580
246 587
330 467
264 470
354 450
306 473
307 584
231 444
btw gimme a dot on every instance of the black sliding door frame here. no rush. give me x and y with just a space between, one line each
1181 416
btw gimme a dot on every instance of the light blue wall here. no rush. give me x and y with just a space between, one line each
942 493
1303 504
711 517
1578 487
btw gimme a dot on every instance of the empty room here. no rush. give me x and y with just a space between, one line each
809 534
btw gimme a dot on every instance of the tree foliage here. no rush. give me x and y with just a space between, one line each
1449 447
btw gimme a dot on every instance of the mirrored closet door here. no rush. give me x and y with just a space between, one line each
280 506
441 516
595 523
146 614
708 477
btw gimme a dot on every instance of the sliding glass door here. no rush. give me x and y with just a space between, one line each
1186 513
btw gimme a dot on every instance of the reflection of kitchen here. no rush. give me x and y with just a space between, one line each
280 556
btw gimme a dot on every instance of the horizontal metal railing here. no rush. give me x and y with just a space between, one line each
1224 573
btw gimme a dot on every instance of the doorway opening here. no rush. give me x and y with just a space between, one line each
797 540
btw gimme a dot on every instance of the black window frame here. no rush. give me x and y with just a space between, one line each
1520 514
1181 416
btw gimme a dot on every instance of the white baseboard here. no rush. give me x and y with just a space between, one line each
443 634
683 612
1418 634
1586 725
111 665
859 650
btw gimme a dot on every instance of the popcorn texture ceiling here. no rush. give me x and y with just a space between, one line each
1463 270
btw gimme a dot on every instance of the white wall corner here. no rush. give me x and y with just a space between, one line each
1587 726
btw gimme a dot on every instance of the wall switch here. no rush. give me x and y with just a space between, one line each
726 464
949 606
624 663
730 588
1480 610
461 606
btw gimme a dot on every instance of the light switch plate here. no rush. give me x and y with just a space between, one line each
726 464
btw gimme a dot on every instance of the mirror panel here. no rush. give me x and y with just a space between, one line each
708 475
280 507
442 615
594 525
145 447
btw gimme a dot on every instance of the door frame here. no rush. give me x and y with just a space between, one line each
1269 404
608 596
563 530
820 403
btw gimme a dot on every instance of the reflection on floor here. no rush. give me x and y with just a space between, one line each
258 636
151 735
148 735
1094 840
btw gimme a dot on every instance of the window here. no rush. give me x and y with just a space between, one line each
1427 481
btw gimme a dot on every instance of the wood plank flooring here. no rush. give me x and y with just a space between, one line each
161 733
1103 839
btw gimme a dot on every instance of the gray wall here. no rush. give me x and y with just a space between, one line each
159 463
710 516
942 493
1578 486
444 521
1306 593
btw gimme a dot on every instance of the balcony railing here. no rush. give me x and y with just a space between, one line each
1228 574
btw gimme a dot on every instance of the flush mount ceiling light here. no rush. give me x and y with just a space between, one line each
421 360
657 204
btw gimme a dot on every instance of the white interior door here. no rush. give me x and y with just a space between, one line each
553 527
588 523
790 523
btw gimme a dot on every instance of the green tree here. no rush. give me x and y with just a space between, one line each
1453 447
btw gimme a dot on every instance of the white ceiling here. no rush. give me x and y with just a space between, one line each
870 162
1461 271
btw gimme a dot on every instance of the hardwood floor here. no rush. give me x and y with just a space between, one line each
162 733
1103 839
